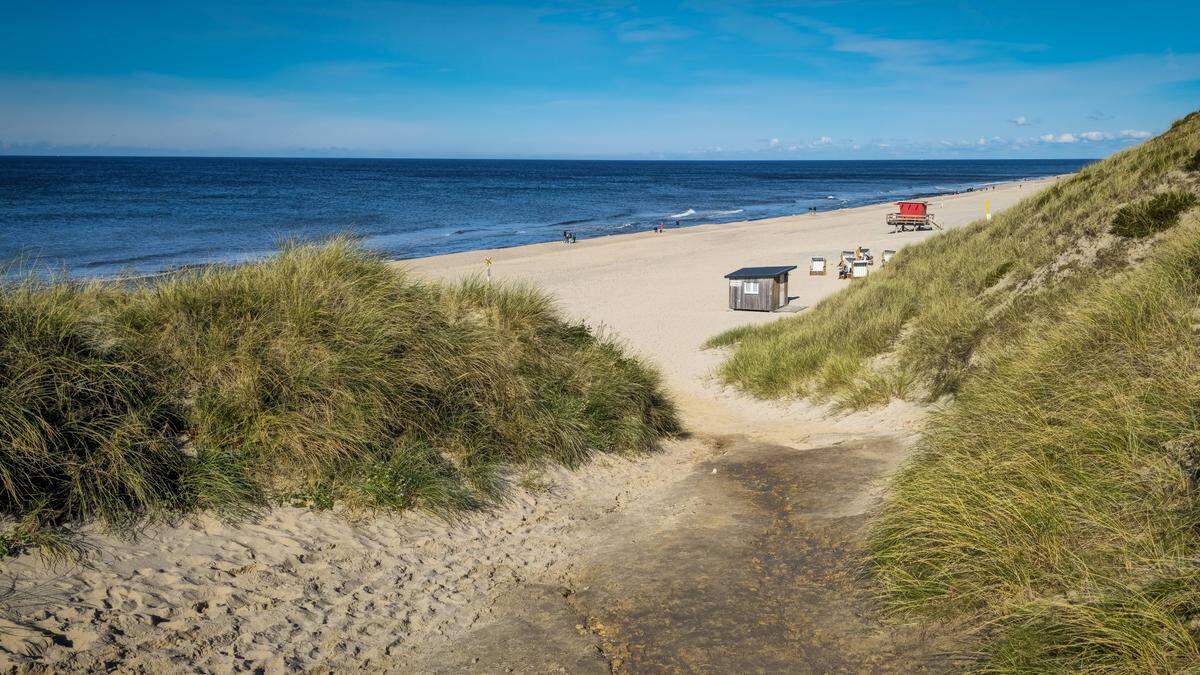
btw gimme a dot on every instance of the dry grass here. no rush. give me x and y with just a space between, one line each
320 376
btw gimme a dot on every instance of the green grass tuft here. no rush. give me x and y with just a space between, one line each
1193 164
321 376
1151 216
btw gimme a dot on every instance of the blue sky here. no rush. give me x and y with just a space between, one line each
698 80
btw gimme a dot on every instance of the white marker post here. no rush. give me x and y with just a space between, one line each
487 265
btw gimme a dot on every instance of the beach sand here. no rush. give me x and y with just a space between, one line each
665 294
736 545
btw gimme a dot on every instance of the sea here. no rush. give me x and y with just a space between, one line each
111 216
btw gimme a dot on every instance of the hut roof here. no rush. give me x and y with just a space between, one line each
760 272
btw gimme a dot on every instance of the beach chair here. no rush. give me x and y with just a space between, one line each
847 264
860 269
888 254
817 266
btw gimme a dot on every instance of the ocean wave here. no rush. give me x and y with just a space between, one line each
686 214
730 212
574 222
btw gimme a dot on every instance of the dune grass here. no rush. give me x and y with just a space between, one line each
1053 504
1153 215
943 303
1058 493
321 376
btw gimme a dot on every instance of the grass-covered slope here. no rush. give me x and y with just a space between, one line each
942 305
322 375
1057 495
1053 503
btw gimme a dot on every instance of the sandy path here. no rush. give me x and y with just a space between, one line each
748 559
734 548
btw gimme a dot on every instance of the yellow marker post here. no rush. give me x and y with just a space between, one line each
987 208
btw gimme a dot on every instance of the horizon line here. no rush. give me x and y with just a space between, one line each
541 159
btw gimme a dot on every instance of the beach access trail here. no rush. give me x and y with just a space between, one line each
735 548
746 553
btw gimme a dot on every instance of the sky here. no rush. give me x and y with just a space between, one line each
645 80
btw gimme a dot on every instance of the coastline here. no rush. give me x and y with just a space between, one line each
204 222
874 208
691 222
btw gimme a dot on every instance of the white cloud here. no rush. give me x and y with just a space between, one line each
823 140
1095 136
1020 120
774 143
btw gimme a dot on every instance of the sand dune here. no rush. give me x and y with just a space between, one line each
305 590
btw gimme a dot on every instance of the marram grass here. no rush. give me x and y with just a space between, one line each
320 376
942 304
1052 505
1057 495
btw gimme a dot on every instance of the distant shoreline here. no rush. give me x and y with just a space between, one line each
518 249
133 218
683 225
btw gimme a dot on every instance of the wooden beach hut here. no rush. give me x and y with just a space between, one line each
763 289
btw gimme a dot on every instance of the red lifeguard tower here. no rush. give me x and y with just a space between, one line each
912 216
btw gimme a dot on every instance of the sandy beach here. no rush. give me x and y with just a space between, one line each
665 294
735 544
